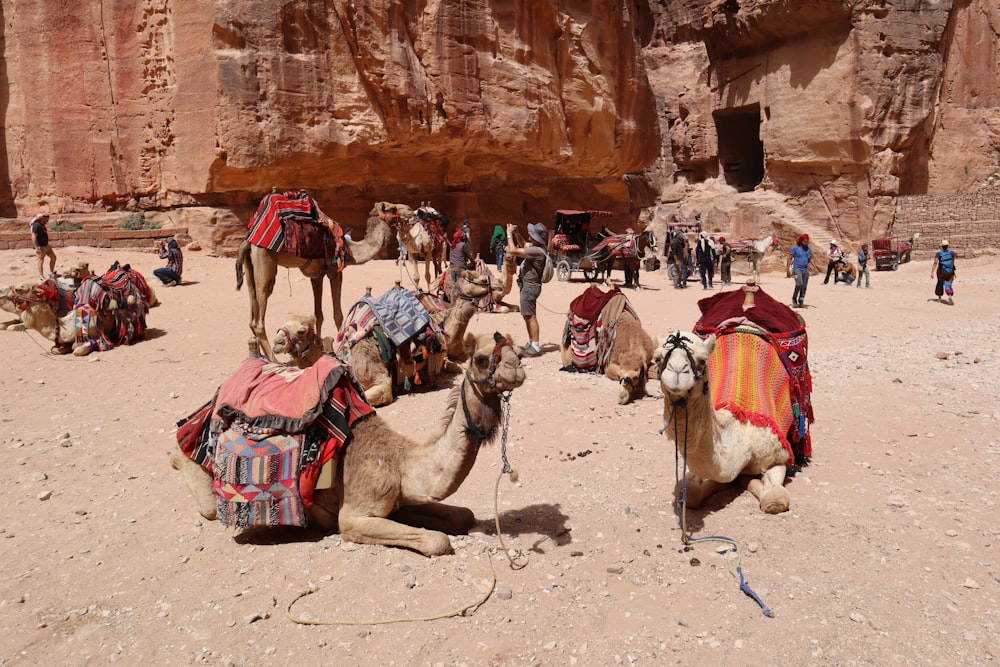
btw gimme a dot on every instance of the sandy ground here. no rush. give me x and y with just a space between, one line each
889 554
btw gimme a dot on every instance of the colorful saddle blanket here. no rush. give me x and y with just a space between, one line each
400 314
591 326
121 293
292 222
759 370
267 434
616 245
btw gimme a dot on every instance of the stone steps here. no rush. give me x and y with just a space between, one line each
108 237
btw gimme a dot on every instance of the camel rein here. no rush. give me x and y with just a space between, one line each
676 341
516 558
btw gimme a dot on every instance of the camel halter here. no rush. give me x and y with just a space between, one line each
676 341
299 347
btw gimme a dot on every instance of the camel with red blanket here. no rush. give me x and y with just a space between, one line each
736 397
101 313
603 334
321 252
371 483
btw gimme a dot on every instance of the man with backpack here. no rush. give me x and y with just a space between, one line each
943 269
530 280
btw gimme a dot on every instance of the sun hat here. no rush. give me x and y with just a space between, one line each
944 242
537 232
833 242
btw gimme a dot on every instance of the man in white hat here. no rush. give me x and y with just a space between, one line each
40 241
833 256
529 281
943 269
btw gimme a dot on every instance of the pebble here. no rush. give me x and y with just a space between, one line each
44 495
504 592
752 547
951 532
970 583
857 617
615 570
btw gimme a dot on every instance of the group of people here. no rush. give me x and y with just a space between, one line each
170 250
706 256
800 257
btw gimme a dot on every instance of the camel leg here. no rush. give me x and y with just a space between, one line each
263 286
336 288
448 519
379 530
427 271
323 512
770 490
198 482
698 490
317 288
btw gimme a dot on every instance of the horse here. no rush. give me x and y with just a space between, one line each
624 251
756 251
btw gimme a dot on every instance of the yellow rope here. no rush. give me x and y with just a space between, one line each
517 562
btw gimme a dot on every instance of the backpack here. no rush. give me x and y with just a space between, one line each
549 270
946 261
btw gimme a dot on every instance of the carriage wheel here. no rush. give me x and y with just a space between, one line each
672 273
563 271
590 275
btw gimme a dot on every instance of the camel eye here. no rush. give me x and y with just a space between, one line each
482 361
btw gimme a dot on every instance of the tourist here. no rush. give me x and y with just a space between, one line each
705 255
529 281
678 249
943 269
40 241
498 244
170 274
863 267
460 257
726 261
798 266
833 257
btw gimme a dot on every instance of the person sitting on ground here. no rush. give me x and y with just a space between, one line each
170 274
40 241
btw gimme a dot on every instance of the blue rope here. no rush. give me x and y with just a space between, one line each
681 505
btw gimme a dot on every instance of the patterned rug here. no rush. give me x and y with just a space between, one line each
292 222
759 369
591 326
267 434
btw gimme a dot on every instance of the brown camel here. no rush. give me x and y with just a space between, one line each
298 338
378 380
260 266
388 489
421 244
631 349
38 312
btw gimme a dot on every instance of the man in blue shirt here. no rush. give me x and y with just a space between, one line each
798 265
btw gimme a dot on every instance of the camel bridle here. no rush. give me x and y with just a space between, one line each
299 347
674 342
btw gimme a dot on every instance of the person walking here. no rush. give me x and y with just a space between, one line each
725 261
943 269
678 249
797 266
170 274
863 267
498 243
529 282
40 242
834 255
705 256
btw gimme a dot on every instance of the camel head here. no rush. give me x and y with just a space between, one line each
681 359
493 363
297 337
472 285
79 271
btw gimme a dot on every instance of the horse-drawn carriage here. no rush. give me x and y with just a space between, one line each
573 243
889 252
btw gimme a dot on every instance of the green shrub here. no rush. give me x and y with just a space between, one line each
66 226
136 221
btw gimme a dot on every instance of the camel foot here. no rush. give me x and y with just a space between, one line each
198 481
773 499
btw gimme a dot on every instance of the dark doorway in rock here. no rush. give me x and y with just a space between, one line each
741 152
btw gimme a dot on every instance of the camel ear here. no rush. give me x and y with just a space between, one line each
710 344
469 344
310 321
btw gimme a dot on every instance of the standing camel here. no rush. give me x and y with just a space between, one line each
388 488
423 235
260 265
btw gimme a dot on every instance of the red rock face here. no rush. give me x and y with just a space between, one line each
497 111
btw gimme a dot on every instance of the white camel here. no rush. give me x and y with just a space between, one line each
717 447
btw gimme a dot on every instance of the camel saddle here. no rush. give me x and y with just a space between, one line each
292 222
267 435
591 327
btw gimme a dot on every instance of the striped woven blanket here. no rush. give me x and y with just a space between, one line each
590 338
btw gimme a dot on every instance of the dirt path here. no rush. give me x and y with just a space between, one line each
889 554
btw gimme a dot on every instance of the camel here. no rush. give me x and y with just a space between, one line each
421 243
298 338
442 354
717 447
260 266
631 349
500 285
388 488
33 303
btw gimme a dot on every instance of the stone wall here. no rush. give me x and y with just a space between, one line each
970 221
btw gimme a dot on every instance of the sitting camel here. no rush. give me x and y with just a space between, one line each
443 351
35 303
386 488
613 342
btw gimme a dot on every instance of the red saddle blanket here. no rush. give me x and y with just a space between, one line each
291 222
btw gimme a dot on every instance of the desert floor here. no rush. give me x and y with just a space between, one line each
889 555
